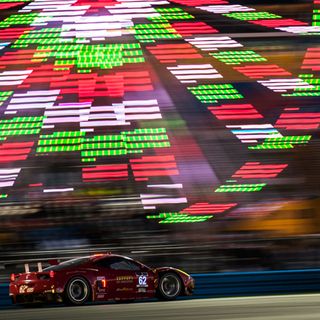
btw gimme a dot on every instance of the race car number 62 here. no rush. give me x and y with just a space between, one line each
142 280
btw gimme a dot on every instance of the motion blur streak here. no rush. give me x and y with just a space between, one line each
300 307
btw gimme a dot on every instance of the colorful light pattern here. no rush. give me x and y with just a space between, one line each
77 84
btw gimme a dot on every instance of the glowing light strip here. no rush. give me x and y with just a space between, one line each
149 201
299 120
256 170
58 190
301 30
225 8
312 59
283 85
237 57
194 3
166 186
287 142
203 71
252 187
250 133
262 71
235 112
213 43
205 208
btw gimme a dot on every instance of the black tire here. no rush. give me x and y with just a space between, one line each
77 291
169 286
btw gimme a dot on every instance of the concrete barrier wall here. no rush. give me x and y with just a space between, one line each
239 284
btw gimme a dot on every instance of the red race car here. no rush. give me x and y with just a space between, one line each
100 277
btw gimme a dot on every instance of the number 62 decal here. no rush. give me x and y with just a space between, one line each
142 281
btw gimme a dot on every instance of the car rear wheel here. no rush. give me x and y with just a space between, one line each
169 286
77 291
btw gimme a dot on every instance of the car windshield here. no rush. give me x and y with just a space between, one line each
67 264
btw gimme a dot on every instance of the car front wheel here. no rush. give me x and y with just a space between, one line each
77 291
169 286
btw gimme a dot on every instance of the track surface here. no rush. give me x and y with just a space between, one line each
304 307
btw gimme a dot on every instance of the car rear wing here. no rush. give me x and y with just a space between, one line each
52 262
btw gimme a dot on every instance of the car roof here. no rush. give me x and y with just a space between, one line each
98 256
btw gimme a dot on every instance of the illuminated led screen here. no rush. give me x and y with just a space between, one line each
156 102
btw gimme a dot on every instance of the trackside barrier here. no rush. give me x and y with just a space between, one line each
240 284
257 283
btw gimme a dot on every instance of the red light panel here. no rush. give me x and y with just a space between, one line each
273 23
151 166
256 170
172 52
105 172
96 3
312 59
235 112
194 3
262 71
13 33
191 28
9 5
203 208
15 151
299 121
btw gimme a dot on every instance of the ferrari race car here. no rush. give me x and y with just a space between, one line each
100 277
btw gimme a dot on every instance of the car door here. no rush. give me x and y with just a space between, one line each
124 278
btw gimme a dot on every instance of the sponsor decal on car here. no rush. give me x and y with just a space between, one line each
124 279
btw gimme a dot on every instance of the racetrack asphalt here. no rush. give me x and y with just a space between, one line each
290 307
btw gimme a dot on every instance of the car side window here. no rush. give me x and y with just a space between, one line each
117 263
124 264
106 262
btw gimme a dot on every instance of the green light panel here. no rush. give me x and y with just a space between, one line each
104 56
45 36
212 93
306 92
4 95
153 31
19 19
176 217
316 17
252 187
20 126
168 14
281 143
249 16
107 145
237 57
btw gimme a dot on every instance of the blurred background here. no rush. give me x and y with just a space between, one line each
188 138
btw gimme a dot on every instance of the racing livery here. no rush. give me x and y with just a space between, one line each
100 277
